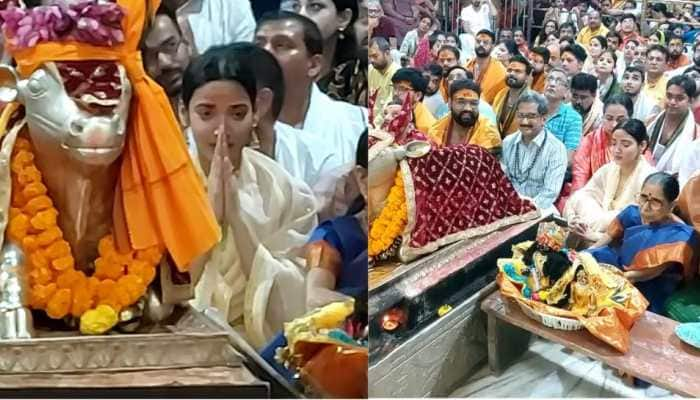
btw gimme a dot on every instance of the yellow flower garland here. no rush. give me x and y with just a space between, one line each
391 220
56 287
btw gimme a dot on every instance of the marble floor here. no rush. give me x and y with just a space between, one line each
550 370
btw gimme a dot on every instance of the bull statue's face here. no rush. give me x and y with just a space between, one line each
90 129
383 169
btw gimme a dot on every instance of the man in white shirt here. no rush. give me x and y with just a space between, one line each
645 108
296 43
214 22
476 15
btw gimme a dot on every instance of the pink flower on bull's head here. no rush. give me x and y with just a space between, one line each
87 21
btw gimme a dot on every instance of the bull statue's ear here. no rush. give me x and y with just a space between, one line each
417 148
8 84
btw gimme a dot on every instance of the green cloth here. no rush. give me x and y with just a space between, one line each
684 304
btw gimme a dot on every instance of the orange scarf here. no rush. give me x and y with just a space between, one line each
159 199
492 79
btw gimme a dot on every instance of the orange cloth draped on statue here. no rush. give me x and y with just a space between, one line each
507 122
491 80
160 199
538 83
483 134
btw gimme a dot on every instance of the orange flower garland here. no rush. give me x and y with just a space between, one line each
56 287
391 220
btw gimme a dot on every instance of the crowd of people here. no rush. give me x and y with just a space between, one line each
595 119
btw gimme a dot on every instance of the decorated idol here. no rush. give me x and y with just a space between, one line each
422 197
97 191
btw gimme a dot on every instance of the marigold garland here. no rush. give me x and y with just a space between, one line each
391 220
56 287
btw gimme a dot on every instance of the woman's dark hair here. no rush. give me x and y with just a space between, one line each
347 47
622 100
614 57
602 40
555 34
511 46
217 64
634 128
686 83
669 184
434 38
542 52
455 37
542 36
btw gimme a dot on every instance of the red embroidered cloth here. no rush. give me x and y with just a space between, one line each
455 193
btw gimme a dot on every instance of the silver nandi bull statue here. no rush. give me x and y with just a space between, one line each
95 182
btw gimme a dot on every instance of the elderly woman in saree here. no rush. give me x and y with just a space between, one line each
613 186
653 247
674 130
250 277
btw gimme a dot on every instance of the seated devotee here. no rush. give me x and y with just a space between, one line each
598 45
572 59
594 28
567 31
645 108
613 186
459 73
539 59
336 253
448 57
410 81
249 274
343 74
382 68
584 99
464 125
433 99
504 50
165 56
675 129
676 58
534 159
655 86
648 244
521 42
694 73
596 149
304 155
605 70
563 122
505 103
306 107
213 22
488 73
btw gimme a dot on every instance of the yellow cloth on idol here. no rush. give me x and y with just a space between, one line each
507 123
423 117
491 81
160 199
617 303
483 134
584 37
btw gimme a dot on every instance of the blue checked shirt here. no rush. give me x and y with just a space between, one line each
566 125
545 179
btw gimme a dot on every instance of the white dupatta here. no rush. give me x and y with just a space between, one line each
275 214
670 160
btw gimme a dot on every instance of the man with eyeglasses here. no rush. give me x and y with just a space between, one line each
518 74
656 62
459 73
645 109
563 121
534 159
166 55
464 125
488 72
410 82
